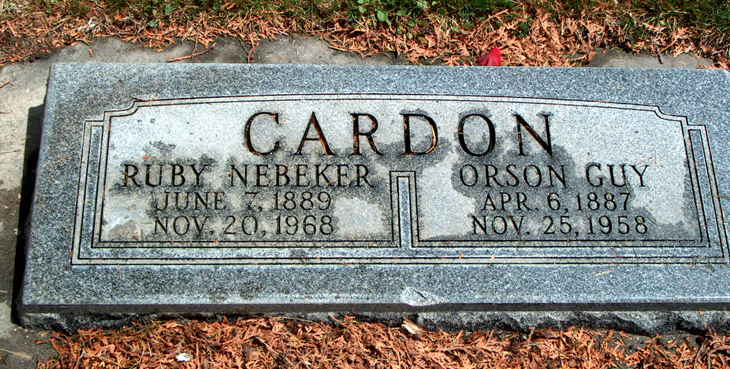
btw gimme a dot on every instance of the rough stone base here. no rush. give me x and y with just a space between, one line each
647 323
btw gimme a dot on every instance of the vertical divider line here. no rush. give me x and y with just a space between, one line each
404 212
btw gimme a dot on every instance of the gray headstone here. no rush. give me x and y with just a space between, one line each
502 197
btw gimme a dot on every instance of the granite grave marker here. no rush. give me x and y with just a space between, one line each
235 189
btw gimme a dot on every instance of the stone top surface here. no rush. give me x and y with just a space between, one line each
236 188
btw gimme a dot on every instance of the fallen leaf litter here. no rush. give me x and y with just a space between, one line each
30 31
347 343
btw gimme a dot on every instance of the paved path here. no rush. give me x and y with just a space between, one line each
21 112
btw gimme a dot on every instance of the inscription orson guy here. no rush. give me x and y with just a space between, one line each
388 176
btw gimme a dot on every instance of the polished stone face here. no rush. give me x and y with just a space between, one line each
227 180
234 189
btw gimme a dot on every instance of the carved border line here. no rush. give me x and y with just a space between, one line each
87 251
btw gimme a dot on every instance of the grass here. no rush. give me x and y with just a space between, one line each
636 17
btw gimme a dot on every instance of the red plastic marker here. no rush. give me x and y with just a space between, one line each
493 59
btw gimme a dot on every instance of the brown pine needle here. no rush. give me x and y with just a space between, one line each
527 34
193 55
291 343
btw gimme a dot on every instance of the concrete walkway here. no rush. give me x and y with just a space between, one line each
21 111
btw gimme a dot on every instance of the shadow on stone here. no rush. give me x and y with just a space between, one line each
30 161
